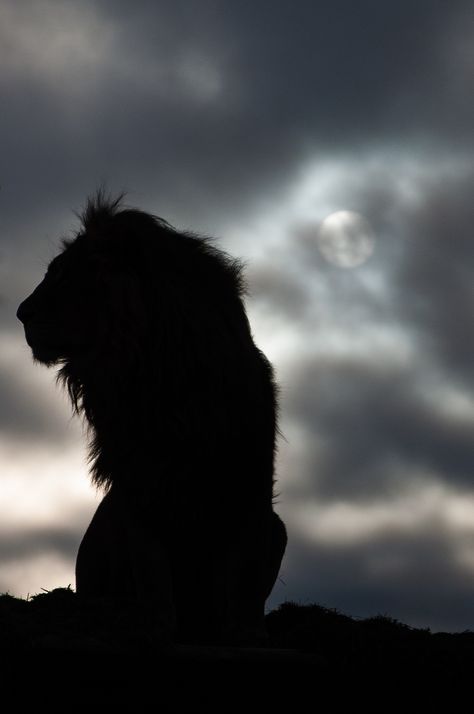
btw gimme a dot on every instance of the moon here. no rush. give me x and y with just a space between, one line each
346 239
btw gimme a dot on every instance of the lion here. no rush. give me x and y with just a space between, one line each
148 327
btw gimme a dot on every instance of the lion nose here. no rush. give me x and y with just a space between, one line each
23 312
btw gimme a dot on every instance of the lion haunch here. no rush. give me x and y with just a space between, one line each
150 331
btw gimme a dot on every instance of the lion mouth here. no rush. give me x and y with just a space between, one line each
48 346
43 347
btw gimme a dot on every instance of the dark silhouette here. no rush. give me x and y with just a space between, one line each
150 330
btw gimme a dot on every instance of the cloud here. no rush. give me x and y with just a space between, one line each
47 503
434 281
212 108
277 291
42 571
33 542
419 580
32 408
373 377
370 429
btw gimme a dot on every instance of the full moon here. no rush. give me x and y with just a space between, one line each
346 239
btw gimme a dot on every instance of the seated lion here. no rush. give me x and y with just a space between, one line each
149 328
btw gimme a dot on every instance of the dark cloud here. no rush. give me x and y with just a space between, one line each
216 106
276 290
27 415
417 580
371 431
17 546
434 282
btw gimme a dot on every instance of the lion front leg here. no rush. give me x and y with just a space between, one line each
102 565
151 575
252 571
120 558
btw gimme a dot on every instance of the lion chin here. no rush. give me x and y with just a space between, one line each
149 328
42 352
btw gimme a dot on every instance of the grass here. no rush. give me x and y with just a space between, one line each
58 621
58 653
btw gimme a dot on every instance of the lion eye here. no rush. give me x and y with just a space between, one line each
55 272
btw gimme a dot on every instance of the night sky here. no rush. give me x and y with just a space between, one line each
253 121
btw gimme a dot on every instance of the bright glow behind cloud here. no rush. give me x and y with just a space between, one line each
60 42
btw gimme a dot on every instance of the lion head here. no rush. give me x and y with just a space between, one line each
149 328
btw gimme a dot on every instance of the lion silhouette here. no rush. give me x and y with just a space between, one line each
149 329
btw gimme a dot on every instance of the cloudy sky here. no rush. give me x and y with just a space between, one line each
254 122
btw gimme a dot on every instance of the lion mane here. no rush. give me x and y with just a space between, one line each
149 329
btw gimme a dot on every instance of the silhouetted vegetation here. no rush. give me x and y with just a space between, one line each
303 634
